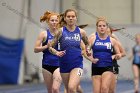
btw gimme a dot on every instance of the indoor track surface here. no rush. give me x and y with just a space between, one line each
123 86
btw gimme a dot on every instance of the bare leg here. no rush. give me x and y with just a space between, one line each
136 77
79 90
106 81
65 78
96 81
74 80
112 87
56 81
48 80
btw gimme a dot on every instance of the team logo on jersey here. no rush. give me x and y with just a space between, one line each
76 37
107 44
50 37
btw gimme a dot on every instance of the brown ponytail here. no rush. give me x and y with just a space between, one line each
117 29
62 21
83 26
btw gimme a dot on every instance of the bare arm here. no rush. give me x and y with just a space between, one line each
57 36
122 51
84 50
91 40
38 45
54 42
116 47
131 55
90 58
84 37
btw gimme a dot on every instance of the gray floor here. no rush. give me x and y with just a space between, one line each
123 86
